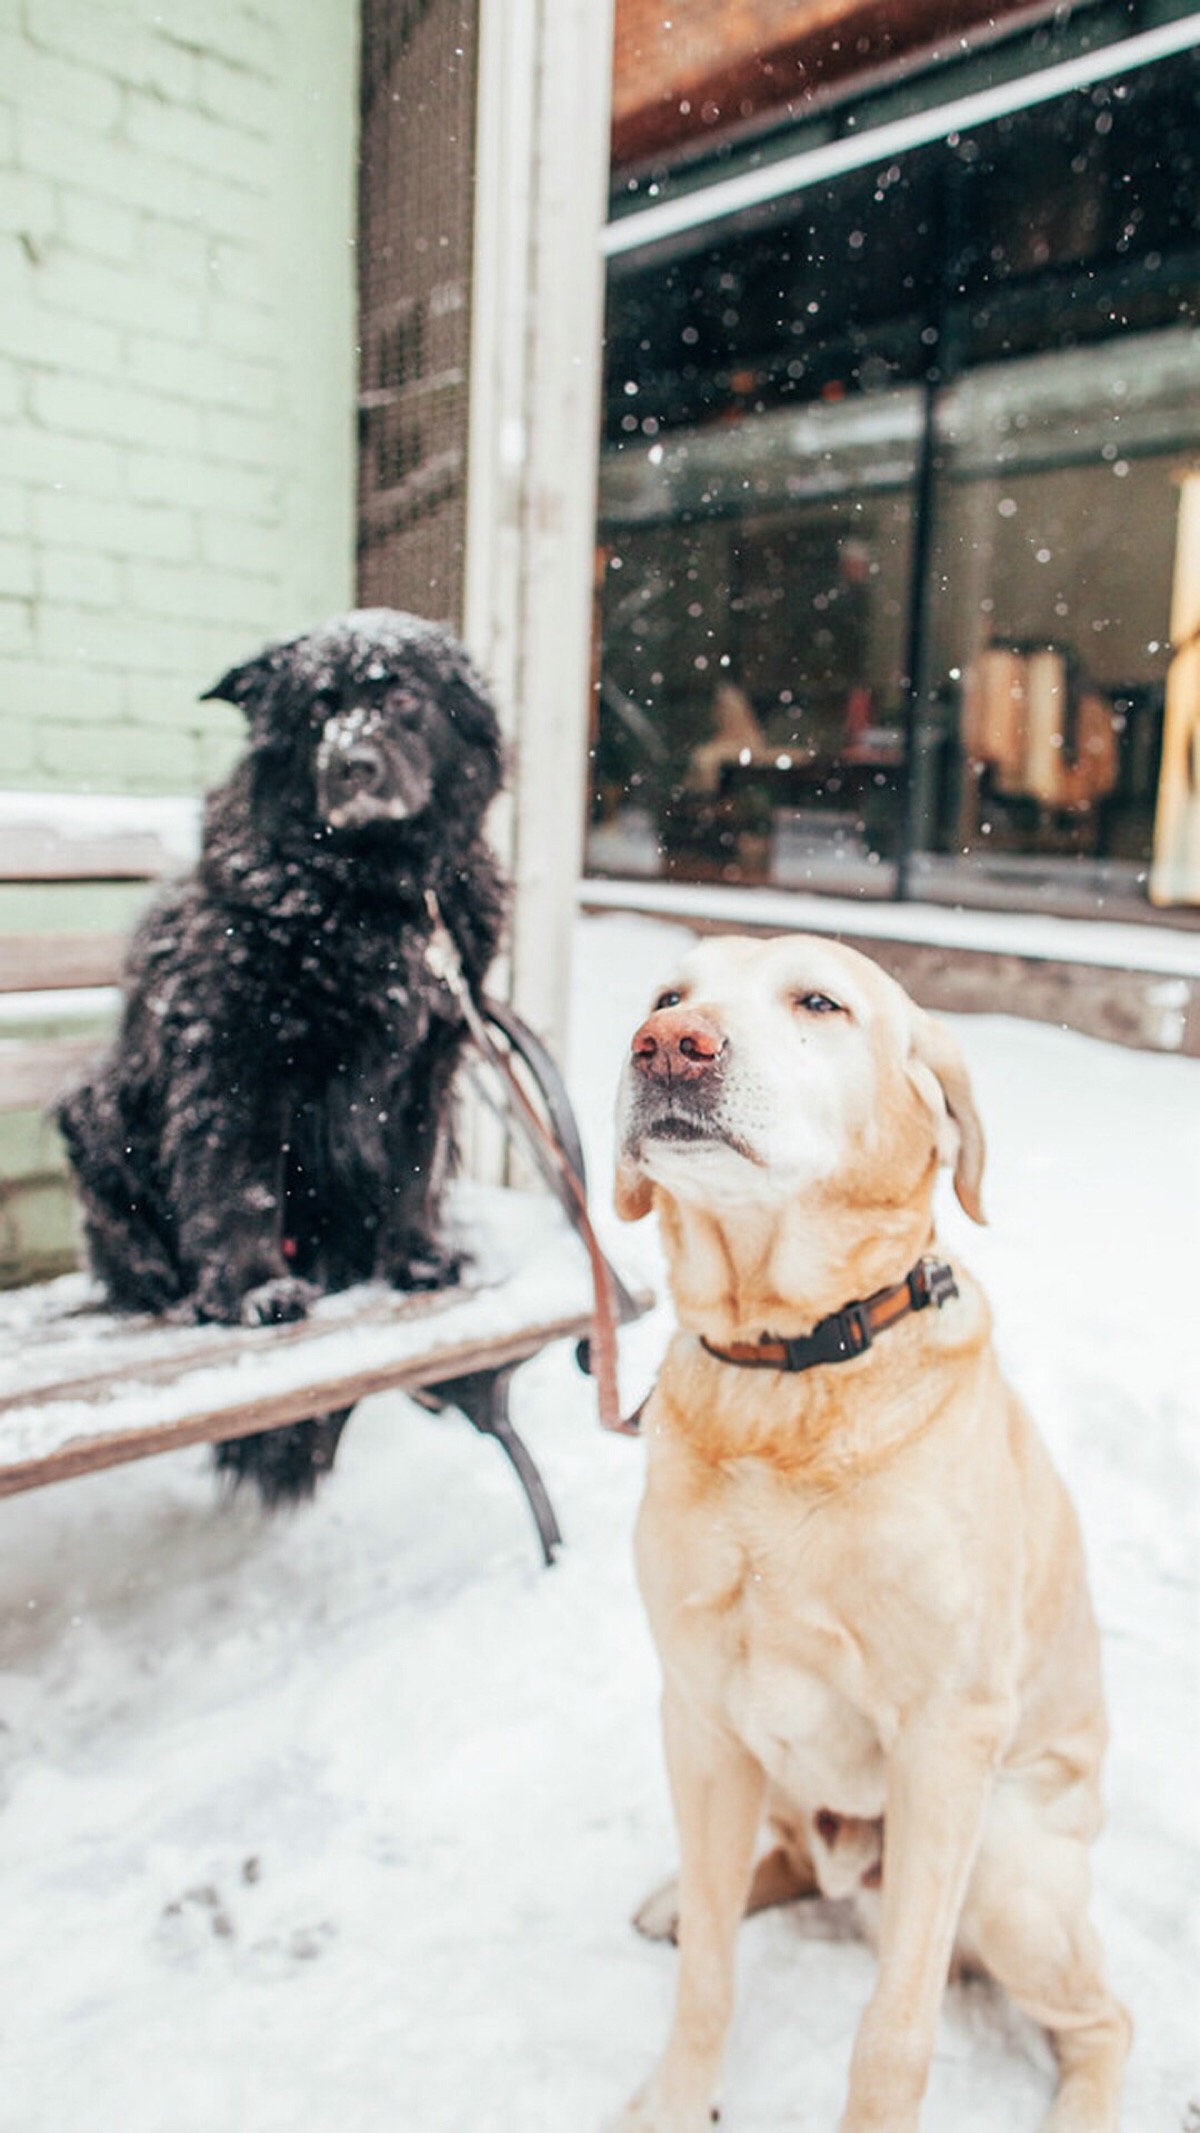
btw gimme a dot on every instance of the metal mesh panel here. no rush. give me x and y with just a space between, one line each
415 224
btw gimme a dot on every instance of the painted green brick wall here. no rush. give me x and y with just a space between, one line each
177 375
177 409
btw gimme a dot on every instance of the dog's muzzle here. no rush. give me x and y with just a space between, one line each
678 1046
362 777
675 1077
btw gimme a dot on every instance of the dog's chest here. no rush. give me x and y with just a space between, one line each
747 1612
803 1708
336 994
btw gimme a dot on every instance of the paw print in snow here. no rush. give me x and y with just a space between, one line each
205 1913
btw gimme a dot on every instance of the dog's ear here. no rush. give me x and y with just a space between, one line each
935 1052
244 685
633 1196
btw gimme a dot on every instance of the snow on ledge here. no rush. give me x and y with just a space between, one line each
1103 943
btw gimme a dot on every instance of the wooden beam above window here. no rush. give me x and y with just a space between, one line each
703 68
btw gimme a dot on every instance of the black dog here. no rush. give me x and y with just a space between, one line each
272 1120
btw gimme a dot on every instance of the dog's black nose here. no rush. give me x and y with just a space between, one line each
352 774
678 1044
359 768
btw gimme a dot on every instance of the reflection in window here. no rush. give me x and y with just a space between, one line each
753 634
1049 627
891 503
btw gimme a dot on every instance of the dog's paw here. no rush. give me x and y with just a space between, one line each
276 1303
658 1917
427 1266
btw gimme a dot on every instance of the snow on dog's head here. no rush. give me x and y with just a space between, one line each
376 719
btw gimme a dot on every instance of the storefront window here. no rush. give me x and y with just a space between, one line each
890 509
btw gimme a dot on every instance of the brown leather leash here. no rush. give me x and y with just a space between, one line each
443 959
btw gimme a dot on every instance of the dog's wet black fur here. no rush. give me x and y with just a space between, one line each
272 1120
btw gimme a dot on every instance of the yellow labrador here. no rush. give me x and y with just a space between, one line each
864 1576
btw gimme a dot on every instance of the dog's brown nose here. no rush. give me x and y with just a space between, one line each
677 1044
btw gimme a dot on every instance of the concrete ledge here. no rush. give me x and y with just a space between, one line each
1133 985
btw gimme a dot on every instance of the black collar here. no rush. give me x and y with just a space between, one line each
846 1333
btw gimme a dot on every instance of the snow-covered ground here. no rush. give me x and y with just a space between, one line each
336 1820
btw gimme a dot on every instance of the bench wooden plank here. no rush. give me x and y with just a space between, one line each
54 962
322 1394
38 851
71 1347
85 1389
33 1073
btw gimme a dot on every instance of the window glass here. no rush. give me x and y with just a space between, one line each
1055 531
753 631
892 490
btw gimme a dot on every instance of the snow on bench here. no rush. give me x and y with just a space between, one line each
84 1389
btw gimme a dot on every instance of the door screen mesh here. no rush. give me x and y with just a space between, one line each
415 226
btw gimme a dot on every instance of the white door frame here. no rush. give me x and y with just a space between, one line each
541 185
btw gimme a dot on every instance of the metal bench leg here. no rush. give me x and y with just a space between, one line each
483 1399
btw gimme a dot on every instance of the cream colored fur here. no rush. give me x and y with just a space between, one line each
865 1581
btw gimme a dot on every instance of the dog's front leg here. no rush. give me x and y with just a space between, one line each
939 1775
419 1157
227 1188
717 1791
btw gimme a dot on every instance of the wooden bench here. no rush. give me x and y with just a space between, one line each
81 1388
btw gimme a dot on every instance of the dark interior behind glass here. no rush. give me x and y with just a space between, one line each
889 496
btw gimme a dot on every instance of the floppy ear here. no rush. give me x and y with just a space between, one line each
633 1196
935 1052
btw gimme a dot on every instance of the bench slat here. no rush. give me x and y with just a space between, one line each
32 1075
37 851
83 1351
211 1425
59 962
85 1388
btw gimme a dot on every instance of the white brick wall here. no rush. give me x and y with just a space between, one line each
176 368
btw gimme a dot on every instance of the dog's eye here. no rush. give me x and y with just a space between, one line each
817 1003
667 999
